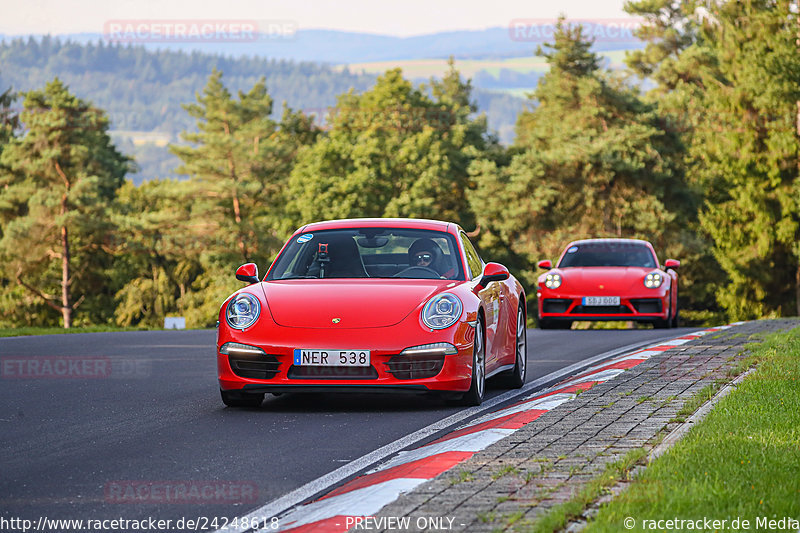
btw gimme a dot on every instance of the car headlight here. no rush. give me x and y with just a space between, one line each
653 280
552 280
237 348
436 348
242 311
442 311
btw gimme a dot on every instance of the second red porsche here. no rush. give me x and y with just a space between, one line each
608 279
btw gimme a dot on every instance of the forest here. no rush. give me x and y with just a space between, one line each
705 165
142 91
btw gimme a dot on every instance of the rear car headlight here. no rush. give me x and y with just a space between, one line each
653 280
552 280
242 311
442 311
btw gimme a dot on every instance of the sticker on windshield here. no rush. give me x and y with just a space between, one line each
305 238
572 250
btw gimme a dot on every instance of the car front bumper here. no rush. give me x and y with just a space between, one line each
646 307
389 371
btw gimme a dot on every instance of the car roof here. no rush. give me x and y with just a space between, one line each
609 240
411 223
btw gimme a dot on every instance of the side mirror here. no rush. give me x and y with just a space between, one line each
493 272
247 273
545 264
671 263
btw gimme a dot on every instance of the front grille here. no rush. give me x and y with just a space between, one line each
332 372
555 305
415 366
600 310
254 366
647 305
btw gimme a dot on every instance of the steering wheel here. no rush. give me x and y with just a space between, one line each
429 273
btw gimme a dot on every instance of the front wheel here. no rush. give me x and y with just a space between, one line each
667 322
233 398
676 320
474 396
516 377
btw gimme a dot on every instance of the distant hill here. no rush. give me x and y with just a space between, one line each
143 91
143 85
340 47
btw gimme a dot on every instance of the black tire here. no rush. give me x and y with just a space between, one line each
545 324
676 320
477 389
516 378
233 398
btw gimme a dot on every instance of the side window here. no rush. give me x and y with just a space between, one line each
473 259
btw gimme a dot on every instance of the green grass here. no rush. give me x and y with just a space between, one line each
558 516
462 477
20 332
696 401
742 461
505 471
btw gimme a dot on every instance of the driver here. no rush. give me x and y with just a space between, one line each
424 253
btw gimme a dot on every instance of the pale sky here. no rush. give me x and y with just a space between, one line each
390 17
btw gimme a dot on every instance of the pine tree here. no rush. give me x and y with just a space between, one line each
238 162
238 169
590 161
62 174
748 160
728 78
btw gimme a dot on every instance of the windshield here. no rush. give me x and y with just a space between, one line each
599 254
370 253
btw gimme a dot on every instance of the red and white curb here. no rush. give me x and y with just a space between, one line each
365 496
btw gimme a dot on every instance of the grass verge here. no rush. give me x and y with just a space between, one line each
20 332
741 463
557 517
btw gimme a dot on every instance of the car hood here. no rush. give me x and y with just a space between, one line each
370 303
589 279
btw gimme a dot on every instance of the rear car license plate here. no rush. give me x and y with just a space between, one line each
600 300
327 357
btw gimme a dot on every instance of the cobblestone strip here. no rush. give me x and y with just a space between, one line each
545 463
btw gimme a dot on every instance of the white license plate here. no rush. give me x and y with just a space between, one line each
326 357
600 300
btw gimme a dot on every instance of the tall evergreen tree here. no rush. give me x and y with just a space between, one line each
748 161
728 77
238 166
238 162
590 161
67 170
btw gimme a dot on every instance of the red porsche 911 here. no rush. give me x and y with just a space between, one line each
370 305
608 279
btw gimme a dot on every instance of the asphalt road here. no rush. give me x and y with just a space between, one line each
130 425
